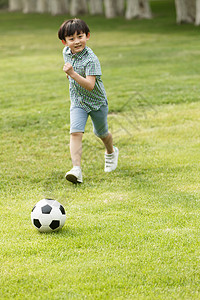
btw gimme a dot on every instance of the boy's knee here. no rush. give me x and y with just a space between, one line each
104 136
76 134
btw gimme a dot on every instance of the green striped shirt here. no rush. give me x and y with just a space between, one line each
85 63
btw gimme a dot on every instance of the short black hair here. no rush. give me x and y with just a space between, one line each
71 26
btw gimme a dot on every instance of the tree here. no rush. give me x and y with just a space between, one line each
110 11
57 7
138 9
78 7
197 21
29 6
113 8
96 7
15 5
42 6
120 7
66 6
185 11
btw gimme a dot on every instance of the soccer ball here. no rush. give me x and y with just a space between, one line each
48 215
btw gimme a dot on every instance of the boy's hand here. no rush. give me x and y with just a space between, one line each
87 82
68 69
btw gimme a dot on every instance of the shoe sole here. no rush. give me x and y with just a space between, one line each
72 178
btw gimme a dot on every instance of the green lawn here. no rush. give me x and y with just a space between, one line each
130 234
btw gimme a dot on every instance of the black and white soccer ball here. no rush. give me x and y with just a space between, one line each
48 215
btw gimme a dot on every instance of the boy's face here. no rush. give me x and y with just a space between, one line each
76 42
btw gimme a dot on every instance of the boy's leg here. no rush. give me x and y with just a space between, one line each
78 119
99 119
76 148
75 174
108 142
111 155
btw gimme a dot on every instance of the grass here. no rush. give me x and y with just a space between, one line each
132 234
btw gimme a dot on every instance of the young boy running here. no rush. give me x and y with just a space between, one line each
87 94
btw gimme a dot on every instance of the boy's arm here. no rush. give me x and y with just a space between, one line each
88 83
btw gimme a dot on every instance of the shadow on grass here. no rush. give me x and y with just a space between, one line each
66 231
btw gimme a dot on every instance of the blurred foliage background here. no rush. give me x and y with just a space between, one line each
3 3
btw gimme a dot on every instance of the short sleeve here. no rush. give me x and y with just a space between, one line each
93 67
65 54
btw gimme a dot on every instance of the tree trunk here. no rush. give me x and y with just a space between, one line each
197 21
96 7
110 9
138 9
66 6
15 5
58 7
120 7
78 7
42 6
29 6
185 11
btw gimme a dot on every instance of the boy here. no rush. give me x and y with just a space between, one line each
87 94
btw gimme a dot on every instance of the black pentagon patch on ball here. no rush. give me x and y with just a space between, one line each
37 223
62 210
46 209
54 224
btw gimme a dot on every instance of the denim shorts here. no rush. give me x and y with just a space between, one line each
78 119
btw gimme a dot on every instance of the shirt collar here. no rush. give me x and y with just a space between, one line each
78 55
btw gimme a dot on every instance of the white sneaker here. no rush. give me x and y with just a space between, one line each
74 175
111 160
